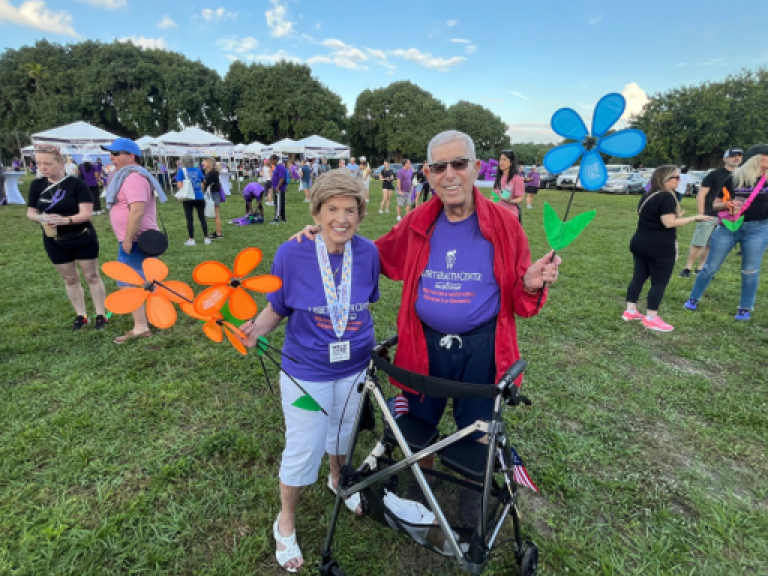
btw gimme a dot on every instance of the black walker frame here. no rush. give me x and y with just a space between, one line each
418 440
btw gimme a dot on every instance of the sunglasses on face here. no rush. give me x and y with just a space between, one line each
674 177
457 165
116 153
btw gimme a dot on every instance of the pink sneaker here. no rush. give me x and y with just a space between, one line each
657 324
632 315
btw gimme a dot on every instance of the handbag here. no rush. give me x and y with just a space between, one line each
726 215
187 191
210 208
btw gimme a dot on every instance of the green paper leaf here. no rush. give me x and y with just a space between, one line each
229 317
260 346
307 403
109 315
494 197
733 226
560 234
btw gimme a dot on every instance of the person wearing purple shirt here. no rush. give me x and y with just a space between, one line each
254 191
532 182
279 180
327 287
404 177
91 173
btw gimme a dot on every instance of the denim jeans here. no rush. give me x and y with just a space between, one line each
753 236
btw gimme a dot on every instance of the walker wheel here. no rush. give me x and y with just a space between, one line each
529 563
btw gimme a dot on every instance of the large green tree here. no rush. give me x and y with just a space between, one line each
395 122
487 129
269 103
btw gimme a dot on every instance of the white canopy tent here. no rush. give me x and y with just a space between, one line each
285 146
314 146
253 149
195 141
76 138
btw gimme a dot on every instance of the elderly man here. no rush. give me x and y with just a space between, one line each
354 168
466 272
131 198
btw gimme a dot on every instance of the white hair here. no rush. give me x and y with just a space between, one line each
450 136
748 173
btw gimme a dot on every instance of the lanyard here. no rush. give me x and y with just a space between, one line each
338 302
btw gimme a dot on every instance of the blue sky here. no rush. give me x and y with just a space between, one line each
523 60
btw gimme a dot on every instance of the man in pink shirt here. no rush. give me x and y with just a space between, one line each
133 210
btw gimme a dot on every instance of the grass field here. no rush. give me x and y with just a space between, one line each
161 456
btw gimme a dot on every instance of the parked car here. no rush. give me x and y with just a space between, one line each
567 178
546 180
623 183
696 178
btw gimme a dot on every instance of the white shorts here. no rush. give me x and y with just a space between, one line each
309 435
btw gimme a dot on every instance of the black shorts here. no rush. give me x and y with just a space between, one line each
59 255
387 185
471 360
531 190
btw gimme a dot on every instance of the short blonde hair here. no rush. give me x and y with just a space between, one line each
337 183
51 149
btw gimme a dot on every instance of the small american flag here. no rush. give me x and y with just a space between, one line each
520 473
398 405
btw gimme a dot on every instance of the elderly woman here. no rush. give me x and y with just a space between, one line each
213 186
197 178
327 287
63 206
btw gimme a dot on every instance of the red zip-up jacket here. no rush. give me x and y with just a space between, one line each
404 254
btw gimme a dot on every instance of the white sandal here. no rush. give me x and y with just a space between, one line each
353 502
292 550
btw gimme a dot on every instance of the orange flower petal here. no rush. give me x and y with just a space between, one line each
179 288
212 299
266 283
189 309
154 269
246 261
211 272
126 300
232 328
213 331
160 312
242 305
122 273
236 343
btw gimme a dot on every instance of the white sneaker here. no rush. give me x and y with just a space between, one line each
398 218
269 203
207 240
386 211
366 200
306 201
529 207
189 243
381 211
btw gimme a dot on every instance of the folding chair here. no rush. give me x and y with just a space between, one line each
388 486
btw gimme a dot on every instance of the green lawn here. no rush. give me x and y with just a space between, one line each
161 456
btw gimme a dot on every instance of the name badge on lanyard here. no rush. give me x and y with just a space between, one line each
337 300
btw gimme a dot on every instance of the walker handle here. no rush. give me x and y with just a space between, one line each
387 344
512 374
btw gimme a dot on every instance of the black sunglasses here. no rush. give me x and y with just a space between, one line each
116 152
457 164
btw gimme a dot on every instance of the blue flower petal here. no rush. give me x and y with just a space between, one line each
607 112
592 173
561 158
567 123
624 144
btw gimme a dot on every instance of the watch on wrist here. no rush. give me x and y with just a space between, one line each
70 220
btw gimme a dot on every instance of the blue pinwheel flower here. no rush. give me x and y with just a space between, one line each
567 123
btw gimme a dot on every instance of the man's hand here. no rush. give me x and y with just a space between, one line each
127 246
309 232
541 271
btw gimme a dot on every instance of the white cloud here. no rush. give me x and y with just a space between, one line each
427 60
679 65
345 50
276 19
320 60
380 54
237 45
539 133
523 96
167 23
145 43
471 49
35 14
219 15
460 41
636 99
273 58
451 23
347 56
108 4
595 20
715 62
317 26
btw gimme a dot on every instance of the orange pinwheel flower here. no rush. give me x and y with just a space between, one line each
157 294
215 327
229 286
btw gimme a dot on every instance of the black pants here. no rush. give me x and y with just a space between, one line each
659 270
280 205
96 193
190 205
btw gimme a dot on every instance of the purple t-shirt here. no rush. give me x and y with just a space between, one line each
279 172
309 332
534 179
253 190
89 175
405 177
458 291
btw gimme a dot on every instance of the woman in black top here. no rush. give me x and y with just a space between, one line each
63 206
752 234
422 179
213 185
654 246
387 177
